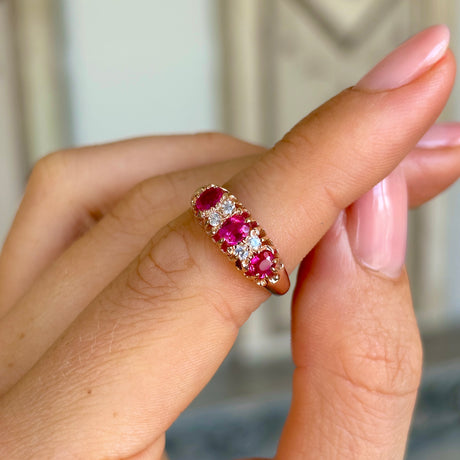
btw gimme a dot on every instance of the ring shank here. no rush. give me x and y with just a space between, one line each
282 285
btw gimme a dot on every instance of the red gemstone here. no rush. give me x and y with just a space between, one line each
233 230
209 198
261 264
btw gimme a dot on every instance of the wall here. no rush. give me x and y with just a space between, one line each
152 69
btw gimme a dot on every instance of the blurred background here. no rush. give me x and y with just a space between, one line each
75 72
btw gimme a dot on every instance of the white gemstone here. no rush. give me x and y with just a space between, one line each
254 242
214 219
228 207
241 252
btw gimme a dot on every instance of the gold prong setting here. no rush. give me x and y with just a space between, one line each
239 236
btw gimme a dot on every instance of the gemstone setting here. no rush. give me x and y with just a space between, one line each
228 207
234 230
261 264
209 198
214 219
241 251
239 236
254 242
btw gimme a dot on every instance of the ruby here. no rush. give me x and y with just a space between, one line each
261 265
234 230
209 198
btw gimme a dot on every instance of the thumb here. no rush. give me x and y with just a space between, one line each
356 344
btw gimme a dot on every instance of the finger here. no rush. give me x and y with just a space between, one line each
38 318
68 191
355 340
356 347
434 162
435 168
98 196
358 356
178 306
428 171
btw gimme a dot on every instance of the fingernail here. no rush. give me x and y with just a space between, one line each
408 61
441 135
377 226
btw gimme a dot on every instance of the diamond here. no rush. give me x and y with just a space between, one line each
214 219
228 207
241 252
209 198
254 242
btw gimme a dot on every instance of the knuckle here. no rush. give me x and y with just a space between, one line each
53 182
383 361
151 195
164 269
171 274
374 379
373 382
146 200
294 145
48 171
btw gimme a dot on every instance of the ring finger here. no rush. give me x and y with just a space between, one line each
69 191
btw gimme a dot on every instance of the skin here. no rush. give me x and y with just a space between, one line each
116 309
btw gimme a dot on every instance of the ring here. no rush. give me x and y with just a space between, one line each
240 237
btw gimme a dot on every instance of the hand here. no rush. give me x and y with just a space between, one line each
107 334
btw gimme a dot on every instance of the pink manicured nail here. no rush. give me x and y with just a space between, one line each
441 135
377 226
408 61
